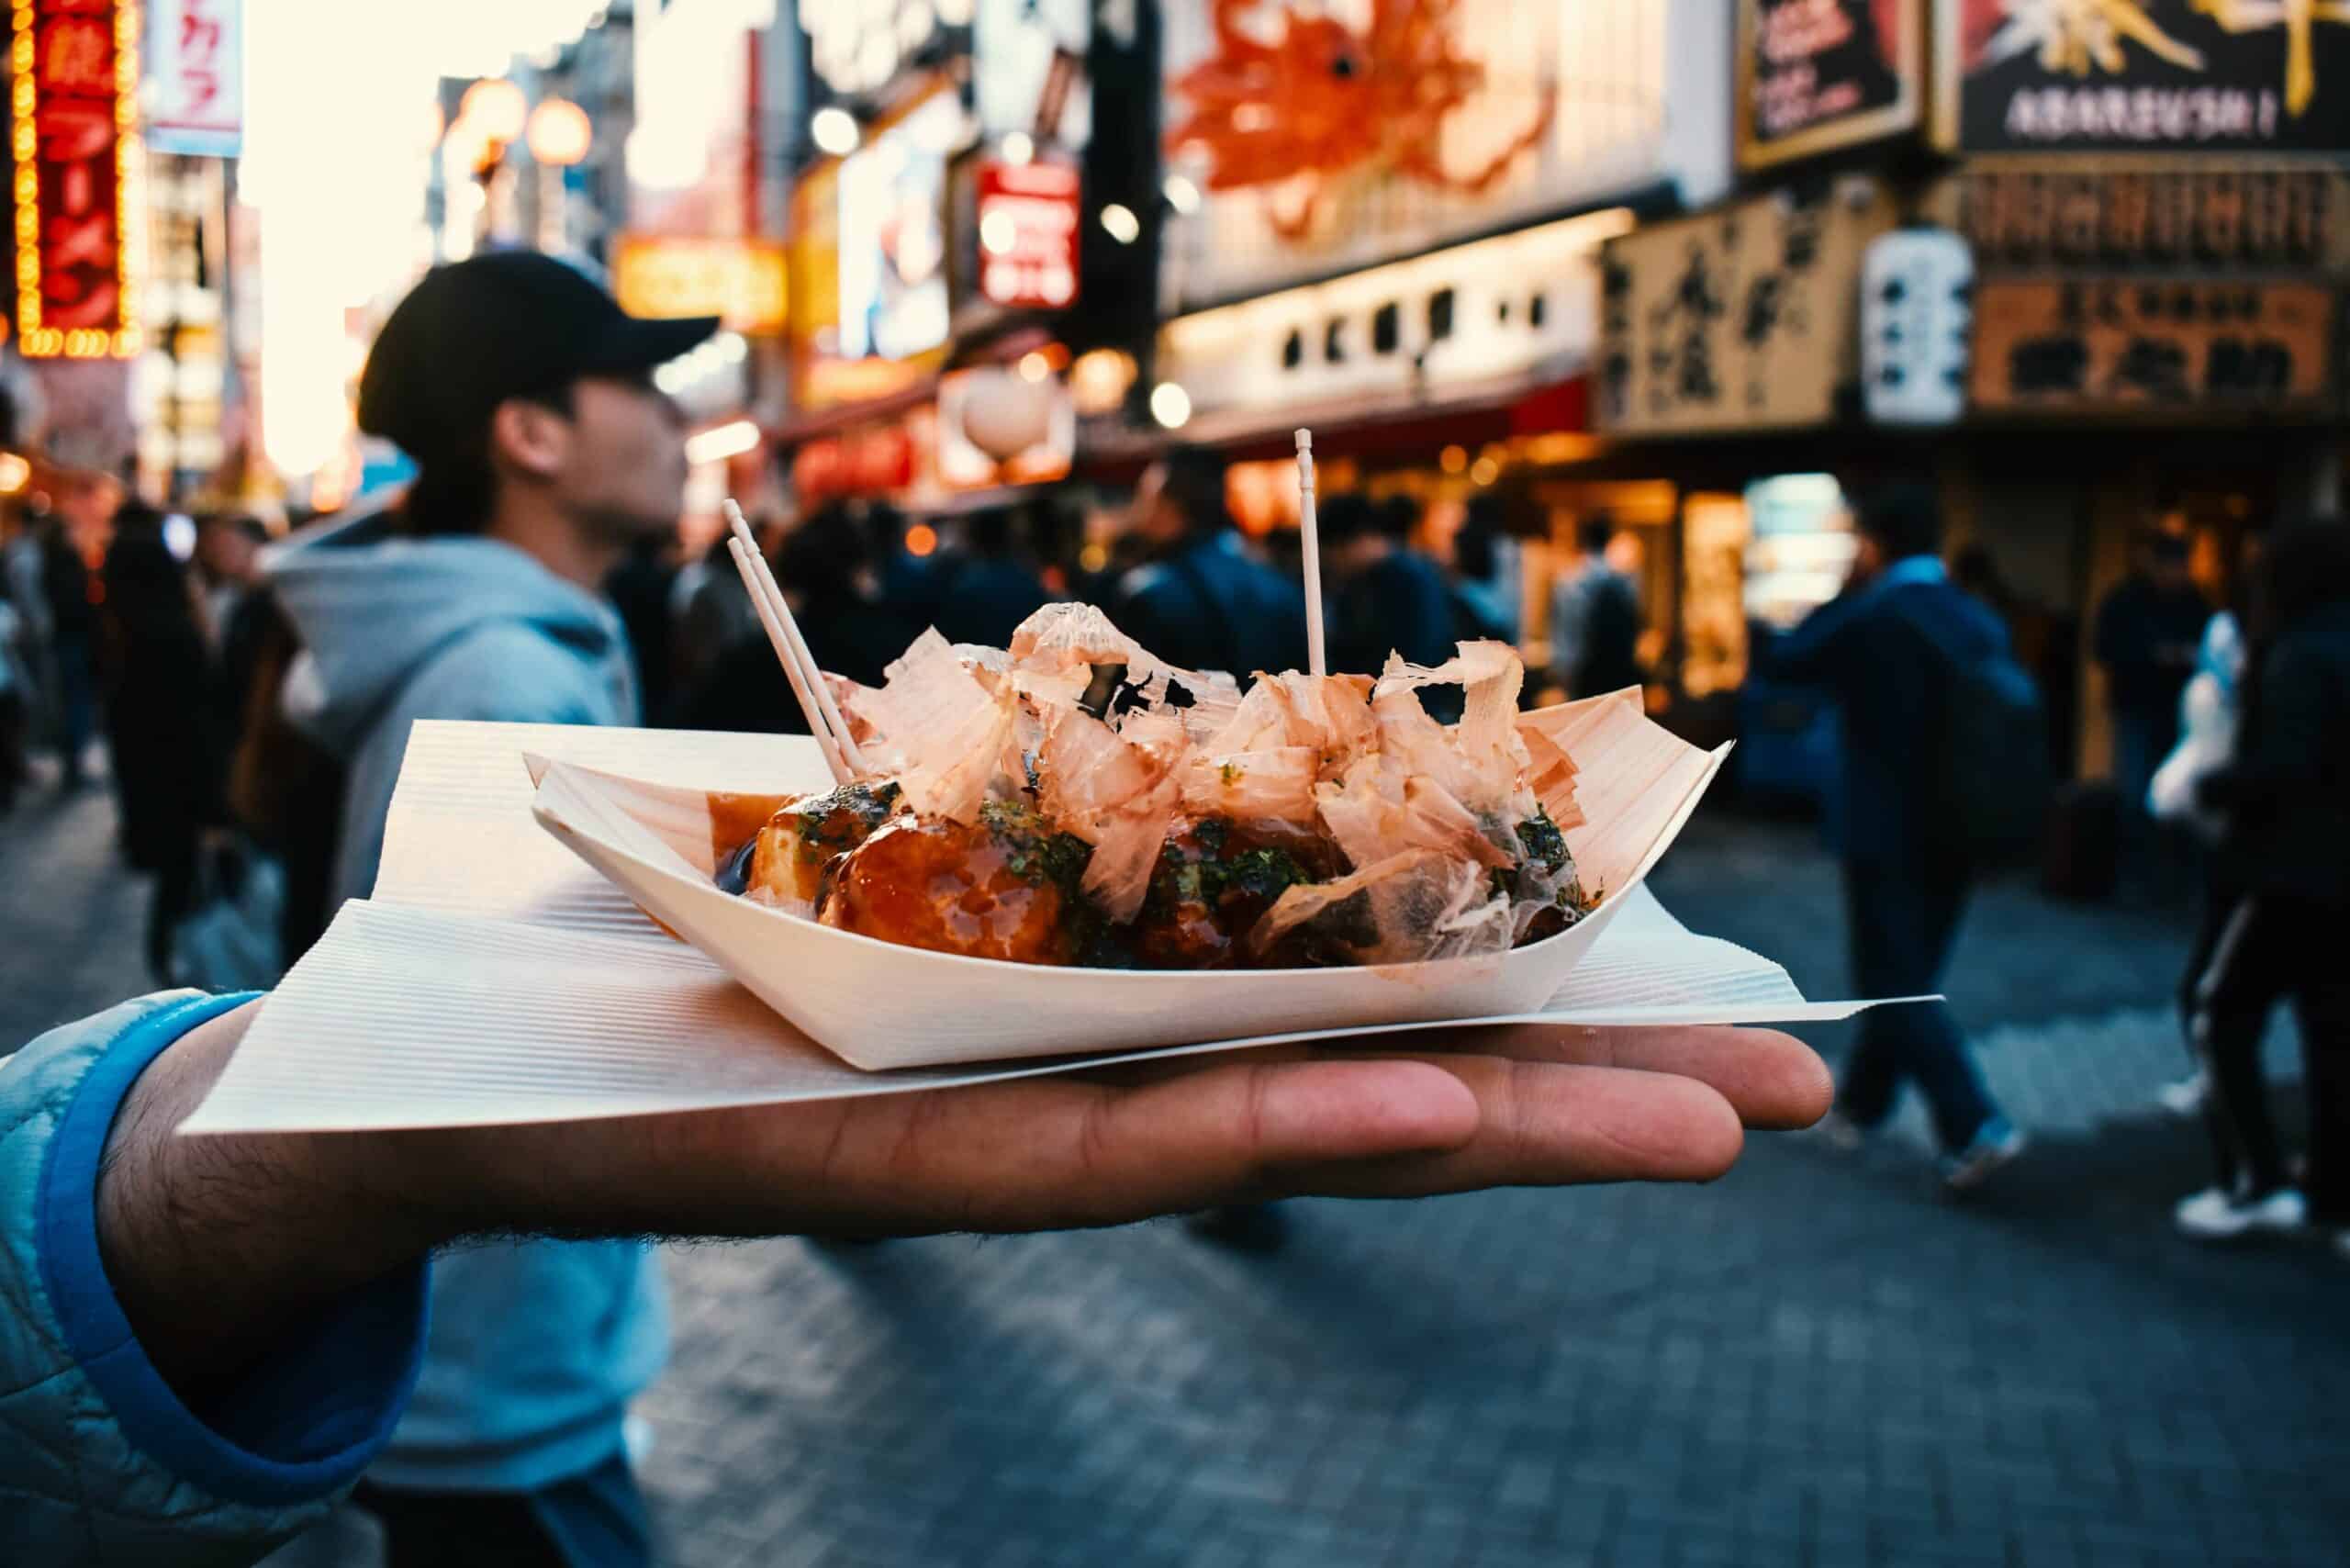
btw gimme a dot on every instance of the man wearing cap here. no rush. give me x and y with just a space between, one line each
543 452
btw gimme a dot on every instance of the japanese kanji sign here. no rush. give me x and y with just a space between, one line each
196 80
74 74
1741 319
2101 344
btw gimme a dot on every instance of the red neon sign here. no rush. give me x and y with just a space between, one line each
1028 217
74 79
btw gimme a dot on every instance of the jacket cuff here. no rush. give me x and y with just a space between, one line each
308 1419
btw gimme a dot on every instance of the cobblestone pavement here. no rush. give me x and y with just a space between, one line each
1815 1361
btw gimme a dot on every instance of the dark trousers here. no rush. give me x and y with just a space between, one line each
595 1520
2265 949
1902 922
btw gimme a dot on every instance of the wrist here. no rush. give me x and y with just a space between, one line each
213 1244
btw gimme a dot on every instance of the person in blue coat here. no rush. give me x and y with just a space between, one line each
205 1341
1885 650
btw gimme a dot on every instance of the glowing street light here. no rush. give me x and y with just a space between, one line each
558 133
496 108
1170 405
834 130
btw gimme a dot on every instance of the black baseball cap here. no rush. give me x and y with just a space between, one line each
504 324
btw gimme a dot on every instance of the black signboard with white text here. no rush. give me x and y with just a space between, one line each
1817 75
2142 75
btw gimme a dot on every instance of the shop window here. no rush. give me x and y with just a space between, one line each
1386 328
1501 310
1440 315
1334 341
1293 349
1538 310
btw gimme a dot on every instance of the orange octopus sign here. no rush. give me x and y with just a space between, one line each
1316 104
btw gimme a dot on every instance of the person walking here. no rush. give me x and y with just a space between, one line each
545 454
1388 596
2209 710
168 767
1595 618
1889 650
2284 798
73 620
1201 600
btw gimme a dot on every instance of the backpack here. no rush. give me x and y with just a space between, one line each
1991 774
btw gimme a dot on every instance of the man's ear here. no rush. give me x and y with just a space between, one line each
528 438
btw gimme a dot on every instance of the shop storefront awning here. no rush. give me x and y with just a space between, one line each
1365 426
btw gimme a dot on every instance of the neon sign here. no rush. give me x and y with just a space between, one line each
73 100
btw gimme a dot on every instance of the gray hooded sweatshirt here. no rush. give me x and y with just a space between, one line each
535 1347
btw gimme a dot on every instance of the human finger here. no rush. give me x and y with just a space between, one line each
1773 1081
1545 1123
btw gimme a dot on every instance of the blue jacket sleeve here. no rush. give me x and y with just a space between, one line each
100 1462
1819 649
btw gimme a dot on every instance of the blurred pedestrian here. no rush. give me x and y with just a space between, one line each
1201 600
236 612
639 588
819 567
15 687
2148 629
1484 595
545 453
2284 801
1595 615
68 591
1889 650
23 582
710 612
2208 713
994 585
167 766
1386 597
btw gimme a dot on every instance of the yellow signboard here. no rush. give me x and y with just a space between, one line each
743 281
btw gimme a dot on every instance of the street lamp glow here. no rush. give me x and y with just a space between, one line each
1121 223
834 130
999 233
559 133
1170 405
495 107
1019 147
1181 194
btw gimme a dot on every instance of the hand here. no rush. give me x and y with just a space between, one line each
215 1243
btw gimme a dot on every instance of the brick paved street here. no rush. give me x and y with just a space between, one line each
1815 1361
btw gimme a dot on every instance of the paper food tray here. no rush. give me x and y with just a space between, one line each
882 1005
495 979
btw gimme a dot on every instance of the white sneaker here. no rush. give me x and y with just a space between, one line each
2185 1098
2214 1215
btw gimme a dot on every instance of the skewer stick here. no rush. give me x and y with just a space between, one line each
763 582
745 562
1310 540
